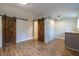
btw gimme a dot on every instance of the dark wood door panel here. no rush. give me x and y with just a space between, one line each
9 30
41 30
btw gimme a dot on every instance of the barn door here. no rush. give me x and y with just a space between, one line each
41 30
9 30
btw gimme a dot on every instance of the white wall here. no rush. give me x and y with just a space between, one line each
24 30
49 30
57 28
64 25
52 29
0 31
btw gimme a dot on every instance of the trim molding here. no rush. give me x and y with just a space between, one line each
18 41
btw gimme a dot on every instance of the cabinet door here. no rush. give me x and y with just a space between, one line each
72 40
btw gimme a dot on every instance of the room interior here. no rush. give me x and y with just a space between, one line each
39 29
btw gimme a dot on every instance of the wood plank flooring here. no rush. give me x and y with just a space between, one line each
36 48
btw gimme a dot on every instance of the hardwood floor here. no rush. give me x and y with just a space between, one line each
34 48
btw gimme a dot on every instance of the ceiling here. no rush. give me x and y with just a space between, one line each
49 9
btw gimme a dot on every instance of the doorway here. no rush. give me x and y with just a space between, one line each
36 30
39 30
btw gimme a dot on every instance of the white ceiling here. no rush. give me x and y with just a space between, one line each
49 9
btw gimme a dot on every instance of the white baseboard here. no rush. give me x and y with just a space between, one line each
23 40
60 38
49 40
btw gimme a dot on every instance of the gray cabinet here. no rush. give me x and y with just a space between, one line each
72 41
